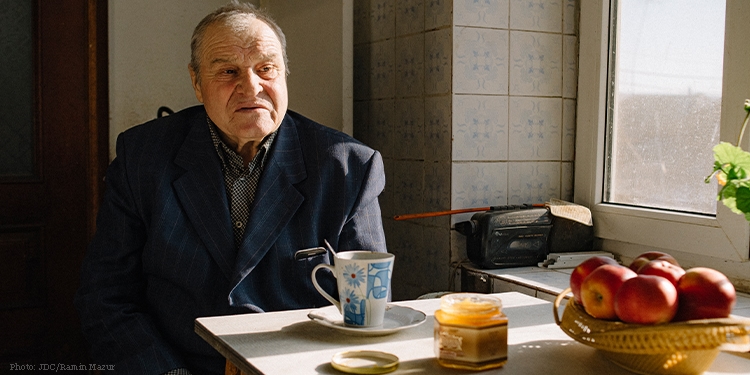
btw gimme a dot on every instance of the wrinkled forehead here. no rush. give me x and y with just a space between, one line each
242 32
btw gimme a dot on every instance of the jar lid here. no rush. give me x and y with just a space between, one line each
364 362
470 304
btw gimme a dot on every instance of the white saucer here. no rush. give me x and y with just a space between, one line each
396 318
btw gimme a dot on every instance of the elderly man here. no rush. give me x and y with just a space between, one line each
206 208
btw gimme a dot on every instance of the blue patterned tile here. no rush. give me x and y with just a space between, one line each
408 185
434 266
437 62
382 19
480 61
437 128
361 19
482 13
480 127
437 192
533 182
535 128
569 130
536 15
410 66
535 64
570 17
387 198
409 17
437 14
408 140
382 69
361 71
566 188
477 184
361 121
382 115
570 66
404 240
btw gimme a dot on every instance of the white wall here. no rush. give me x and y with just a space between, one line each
319 45
149 50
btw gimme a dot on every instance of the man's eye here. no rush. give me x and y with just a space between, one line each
268 72
229 71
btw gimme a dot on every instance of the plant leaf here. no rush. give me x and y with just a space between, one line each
743 199
727 153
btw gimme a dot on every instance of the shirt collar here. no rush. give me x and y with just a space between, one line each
229 157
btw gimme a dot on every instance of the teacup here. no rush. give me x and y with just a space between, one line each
363 279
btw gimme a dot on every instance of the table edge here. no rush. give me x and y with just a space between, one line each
225 350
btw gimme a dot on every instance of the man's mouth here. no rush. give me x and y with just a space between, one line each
248 109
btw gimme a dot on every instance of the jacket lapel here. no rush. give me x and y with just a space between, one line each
276 200
203 196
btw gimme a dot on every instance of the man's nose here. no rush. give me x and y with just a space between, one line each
249 83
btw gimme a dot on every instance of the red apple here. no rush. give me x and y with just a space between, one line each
583 270
646 299
664 269
600 287
648 256
704 293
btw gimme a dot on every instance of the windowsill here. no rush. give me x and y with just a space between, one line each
547 283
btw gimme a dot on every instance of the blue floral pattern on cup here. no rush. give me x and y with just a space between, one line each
354 275
354 303
378 278
363 281
354 308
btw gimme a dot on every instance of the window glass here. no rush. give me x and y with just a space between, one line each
664 103
16 88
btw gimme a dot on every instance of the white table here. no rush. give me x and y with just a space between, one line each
289 343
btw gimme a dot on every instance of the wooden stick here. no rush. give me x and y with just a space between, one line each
439 213
448 212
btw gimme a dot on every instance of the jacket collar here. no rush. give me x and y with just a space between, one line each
276 200
203 195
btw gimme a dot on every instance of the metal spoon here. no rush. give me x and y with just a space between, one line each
329 247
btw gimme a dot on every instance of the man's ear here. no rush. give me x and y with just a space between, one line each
196 86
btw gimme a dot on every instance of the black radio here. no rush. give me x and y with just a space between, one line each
514 236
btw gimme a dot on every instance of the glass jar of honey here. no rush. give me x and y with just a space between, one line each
471 332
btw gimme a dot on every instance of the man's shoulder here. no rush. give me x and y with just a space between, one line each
160 139
313 132
168 126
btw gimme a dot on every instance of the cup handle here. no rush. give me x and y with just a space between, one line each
320 290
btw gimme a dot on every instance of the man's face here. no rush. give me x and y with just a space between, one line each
242 81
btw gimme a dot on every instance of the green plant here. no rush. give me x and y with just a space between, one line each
732 171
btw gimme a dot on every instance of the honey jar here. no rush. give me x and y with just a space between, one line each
471 332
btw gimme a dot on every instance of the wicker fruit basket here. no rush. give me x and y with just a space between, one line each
671 349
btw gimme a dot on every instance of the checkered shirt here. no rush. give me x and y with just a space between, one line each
241 181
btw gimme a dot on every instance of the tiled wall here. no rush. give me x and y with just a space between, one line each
472 104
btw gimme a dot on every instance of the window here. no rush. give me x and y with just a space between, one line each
692 226
664 90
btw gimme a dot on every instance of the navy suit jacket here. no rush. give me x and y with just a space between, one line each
164 253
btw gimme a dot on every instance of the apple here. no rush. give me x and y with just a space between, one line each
599 289
646 299
583 270
704 293
664 269
648 256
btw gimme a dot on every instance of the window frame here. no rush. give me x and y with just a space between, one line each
631 229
